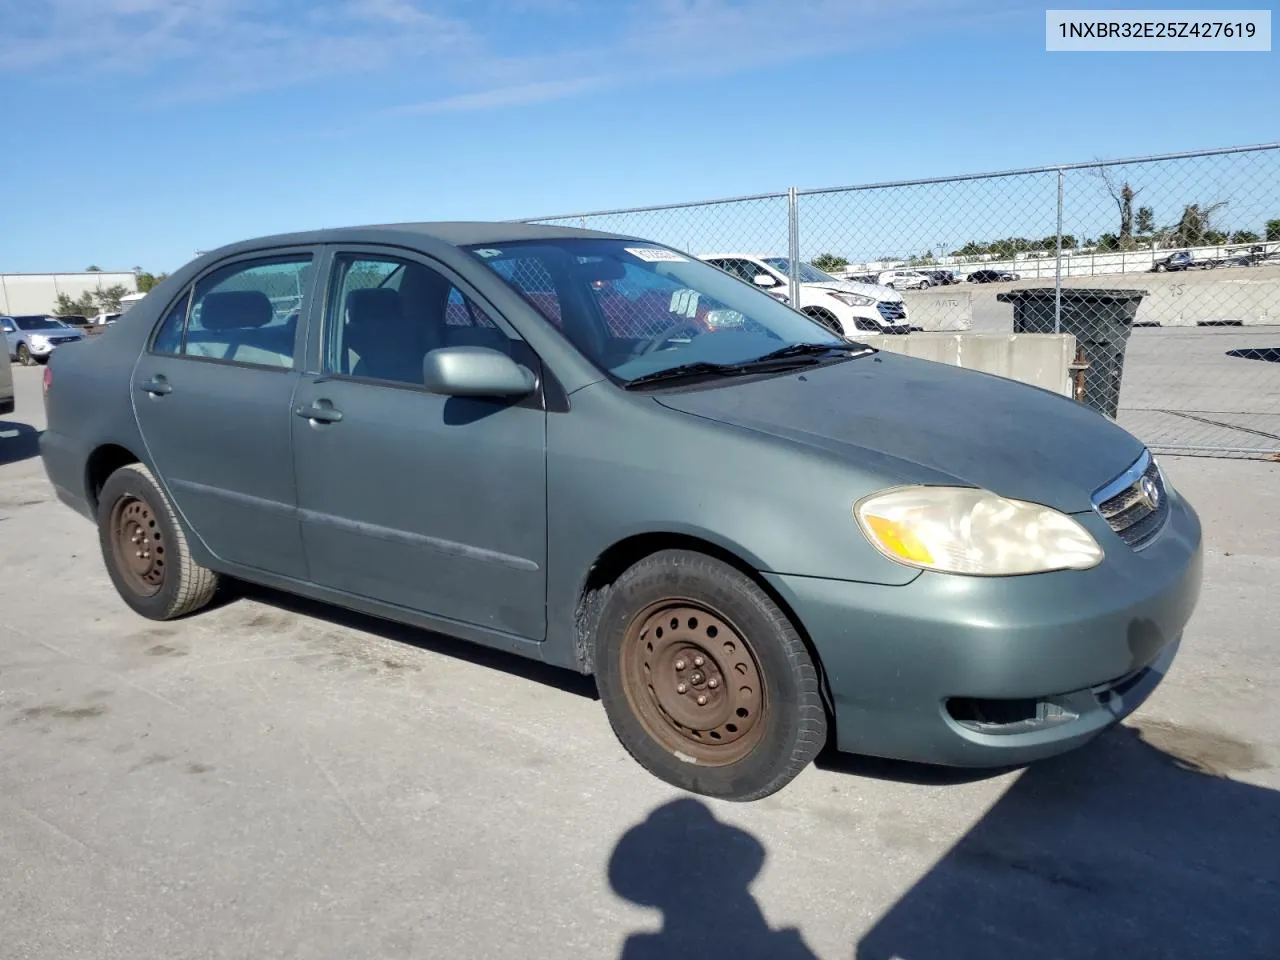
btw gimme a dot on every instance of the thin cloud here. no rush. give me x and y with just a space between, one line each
458 51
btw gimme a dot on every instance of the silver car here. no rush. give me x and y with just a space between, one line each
32 338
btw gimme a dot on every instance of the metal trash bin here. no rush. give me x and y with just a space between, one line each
1100 320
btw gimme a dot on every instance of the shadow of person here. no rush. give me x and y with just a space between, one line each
696 870
18 442
1135 846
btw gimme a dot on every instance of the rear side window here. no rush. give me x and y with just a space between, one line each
246 312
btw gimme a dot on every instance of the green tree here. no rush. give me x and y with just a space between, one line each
1146 222
1215 238
82 306
148 281
829 262
1244 236
93 268
1273 230
1108 241
108 299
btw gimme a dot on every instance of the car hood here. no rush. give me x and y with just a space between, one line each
866 289
906 420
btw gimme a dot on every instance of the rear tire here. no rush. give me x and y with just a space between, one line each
705 681
145 550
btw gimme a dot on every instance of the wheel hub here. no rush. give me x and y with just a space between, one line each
694 682
138 545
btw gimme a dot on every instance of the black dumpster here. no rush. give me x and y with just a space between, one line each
1100 320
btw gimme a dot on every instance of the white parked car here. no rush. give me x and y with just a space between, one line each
103 319
905 280
848 308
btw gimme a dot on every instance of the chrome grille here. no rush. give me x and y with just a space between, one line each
1136 503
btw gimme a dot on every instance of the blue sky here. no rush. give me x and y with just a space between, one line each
138 131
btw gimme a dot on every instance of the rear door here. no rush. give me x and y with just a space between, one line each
213 394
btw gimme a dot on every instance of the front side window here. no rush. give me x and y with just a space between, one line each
636 309
384 315
246 312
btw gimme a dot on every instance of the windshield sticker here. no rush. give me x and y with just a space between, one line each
488 253
656 255
684 303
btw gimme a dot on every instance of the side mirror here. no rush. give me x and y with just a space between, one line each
764 280
475 372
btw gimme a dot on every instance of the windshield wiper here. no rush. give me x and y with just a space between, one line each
699 369
806 350
796 354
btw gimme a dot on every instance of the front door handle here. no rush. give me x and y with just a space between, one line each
157 386
322 411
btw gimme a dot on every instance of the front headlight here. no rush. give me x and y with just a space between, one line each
852 299
975 532
39 341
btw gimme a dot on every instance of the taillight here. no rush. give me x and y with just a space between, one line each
47 380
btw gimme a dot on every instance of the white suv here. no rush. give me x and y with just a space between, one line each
905 280
848 308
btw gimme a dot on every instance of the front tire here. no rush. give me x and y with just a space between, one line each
145 550
24 356
705 680
826 318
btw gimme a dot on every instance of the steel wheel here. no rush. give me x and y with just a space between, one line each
693 682
137 541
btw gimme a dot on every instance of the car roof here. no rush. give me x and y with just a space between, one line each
455 232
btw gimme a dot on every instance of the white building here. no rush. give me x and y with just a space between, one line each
22 293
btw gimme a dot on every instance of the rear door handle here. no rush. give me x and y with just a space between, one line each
322 411
157 386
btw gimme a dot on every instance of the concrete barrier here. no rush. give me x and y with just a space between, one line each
1040 359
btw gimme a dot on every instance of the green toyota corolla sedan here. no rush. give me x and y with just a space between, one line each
599 452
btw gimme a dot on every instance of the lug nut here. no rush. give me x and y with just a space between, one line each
698 661
680 664
702 699
682 688
713 683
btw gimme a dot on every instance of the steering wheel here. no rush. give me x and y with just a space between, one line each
666 334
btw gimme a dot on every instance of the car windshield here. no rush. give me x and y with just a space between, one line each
636 309
808 272
39 323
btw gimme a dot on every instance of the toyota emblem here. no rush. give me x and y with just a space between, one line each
1149 493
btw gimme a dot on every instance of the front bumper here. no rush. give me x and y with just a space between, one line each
971 671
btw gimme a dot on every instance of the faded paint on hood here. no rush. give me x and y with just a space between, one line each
936 423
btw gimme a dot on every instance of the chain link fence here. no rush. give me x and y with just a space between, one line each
1165 270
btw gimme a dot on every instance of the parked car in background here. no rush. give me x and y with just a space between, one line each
748 529
7 400
941 278
904 280
103 319
1182 260
991 276
845 307
32 338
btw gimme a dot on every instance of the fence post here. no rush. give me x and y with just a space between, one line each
793 245
1057 264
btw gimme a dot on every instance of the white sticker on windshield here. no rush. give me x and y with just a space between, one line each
488 253
656 255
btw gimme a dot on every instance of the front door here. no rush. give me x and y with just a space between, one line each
436 504
213 397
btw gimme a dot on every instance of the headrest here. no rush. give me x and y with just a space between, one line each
235 310
375 306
